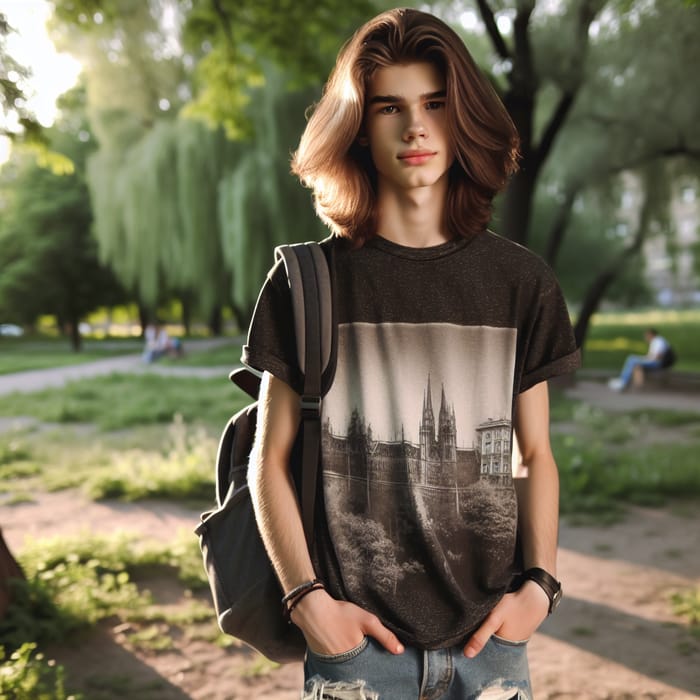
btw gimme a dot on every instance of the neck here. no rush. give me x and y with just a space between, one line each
413 217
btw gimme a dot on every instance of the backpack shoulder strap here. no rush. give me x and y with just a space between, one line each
310 288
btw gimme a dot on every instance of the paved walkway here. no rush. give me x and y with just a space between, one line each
598 394
592 392
55 377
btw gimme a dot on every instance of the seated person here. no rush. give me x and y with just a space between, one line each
659 356
159 343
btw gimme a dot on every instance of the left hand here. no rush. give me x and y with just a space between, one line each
516 617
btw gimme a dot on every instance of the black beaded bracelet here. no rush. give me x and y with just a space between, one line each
299 589
288 609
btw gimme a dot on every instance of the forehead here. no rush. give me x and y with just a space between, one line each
406 80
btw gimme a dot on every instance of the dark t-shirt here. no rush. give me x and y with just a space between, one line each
434 345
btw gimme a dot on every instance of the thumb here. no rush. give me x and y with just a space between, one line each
375 629
479 639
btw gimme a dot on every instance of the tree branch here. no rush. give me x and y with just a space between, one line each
225 22
602 282
523 49
488 18
554 126
669 152
560 224
587 11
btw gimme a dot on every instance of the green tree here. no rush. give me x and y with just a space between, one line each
47 252
16 120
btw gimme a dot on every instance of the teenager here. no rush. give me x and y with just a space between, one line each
431 565
659 355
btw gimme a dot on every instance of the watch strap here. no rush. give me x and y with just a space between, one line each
547 583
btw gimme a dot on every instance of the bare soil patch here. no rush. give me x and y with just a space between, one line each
613 637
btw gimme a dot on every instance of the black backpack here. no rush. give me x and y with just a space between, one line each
668 359
247 595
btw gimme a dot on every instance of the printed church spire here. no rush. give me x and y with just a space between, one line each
447 431
427 424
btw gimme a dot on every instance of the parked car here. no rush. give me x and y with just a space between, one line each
11 329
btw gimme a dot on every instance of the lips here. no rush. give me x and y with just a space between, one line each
416 157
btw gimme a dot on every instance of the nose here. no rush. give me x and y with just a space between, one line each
414 128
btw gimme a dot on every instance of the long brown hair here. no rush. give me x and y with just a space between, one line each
340 172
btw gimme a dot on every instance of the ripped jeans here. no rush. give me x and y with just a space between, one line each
369 672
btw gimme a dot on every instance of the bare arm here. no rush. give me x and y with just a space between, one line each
330 626
538 494
271 485
519 614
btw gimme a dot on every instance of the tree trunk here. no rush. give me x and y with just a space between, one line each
76 340
517 207
144 317
242 316
594 295
557 231
216 321
186 302
9 569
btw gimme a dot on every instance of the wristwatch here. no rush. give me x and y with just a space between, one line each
548 583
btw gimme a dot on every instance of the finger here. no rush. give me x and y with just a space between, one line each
479 639
375 629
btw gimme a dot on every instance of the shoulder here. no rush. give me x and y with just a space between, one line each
513 260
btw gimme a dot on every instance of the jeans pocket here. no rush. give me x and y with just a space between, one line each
339 658
509 642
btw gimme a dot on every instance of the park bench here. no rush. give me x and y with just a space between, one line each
667 379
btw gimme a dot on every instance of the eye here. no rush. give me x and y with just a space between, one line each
434 104
389 109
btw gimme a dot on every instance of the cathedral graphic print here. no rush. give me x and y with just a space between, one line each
416 449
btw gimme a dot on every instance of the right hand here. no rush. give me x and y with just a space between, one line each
333 627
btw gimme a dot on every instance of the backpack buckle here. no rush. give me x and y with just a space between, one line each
310 407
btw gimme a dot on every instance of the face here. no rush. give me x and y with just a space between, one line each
406 126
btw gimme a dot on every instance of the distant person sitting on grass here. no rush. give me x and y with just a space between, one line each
659 356
159 343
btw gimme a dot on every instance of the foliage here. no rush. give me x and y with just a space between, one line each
16 121
185 472
240 36
74 582
602 465
686 604
27 675
48 255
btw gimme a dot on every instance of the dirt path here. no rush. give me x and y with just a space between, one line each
613 637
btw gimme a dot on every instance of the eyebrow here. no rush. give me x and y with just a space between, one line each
393 99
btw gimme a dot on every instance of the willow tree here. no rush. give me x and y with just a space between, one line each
180 208
261 204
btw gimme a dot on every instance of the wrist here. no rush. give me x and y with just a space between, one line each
294 597
310 606
547 583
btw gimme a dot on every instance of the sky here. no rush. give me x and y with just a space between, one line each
52 73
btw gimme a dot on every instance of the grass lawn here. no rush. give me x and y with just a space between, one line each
21 354
120 401
227 355
607 459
